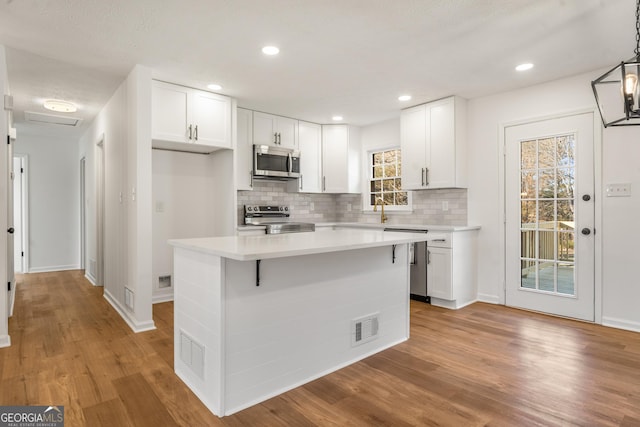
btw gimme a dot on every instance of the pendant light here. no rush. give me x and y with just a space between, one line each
617 91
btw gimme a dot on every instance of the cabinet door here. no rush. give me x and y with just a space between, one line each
287 132
441 158
413 143
310 145
211 119
244 150
439 283
169 112
335 158
264 129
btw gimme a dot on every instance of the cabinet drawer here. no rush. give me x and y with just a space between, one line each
439 240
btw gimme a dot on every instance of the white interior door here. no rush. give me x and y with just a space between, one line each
550 214
18 214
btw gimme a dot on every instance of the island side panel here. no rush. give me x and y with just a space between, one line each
298 324
198 294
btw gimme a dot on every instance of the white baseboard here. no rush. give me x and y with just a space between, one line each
157 299
53 268
5 341
490 299
91 279
135 325
621 324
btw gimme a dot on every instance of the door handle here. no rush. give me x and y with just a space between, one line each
11 230
586 197
586 231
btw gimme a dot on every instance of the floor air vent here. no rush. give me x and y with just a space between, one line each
364 329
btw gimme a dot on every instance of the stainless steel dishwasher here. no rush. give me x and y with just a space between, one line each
418 268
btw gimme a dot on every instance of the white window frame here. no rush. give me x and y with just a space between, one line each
366 194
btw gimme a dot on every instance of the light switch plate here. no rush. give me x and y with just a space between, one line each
618 190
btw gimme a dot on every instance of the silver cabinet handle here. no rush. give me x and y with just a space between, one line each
251 179
428 257
275 138
301 182
190 132
324 183
426 177
279 138
196 133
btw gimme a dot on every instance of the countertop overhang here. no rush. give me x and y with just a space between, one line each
248 248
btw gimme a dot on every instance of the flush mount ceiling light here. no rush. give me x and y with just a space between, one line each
524 67
404 98
270 50
336 118
616 91
214 86
60 106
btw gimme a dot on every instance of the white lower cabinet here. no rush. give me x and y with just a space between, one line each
451 269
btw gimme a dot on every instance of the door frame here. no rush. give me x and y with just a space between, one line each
24 209
598 195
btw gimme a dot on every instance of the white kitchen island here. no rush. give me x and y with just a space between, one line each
255 316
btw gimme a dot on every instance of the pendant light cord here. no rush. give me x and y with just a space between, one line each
637 28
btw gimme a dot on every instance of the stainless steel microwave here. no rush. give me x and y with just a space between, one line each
275 162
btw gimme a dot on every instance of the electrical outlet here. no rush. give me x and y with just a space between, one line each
159 206
618 190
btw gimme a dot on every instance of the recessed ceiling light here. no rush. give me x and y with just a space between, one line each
404 98
270 50
214 86
60 106
337 118
524 67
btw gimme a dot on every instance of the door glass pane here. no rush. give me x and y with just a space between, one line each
547 243
546 214
547 277
528 244
528 274
528 154
565 183
547 153
566 278
546 183
528 213
528 185
565 246
547 202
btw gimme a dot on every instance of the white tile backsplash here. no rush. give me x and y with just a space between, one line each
308 207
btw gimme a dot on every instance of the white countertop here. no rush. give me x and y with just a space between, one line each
407 226
248 248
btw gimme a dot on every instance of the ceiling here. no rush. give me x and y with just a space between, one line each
347 57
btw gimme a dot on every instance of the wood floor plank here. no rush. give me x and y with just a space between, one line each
141 403
481 365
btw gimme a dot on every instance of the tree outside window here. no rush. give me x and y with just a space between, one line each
385 181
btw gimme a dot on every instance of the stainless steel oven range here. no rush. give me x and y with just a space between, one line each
276 219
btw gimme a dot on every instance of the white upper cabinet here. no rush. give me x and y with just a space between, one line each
187 119
243 153
310 146
340 159
269 129
433 143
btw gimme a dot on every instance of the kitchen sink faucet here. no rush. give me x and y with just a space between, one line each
383 217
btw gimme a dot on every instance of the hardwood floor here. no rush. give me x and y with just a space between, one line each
482 365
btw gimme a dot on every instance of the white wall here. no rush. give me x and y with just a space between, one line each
124 125
54 202
192 197
4 131
620 151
